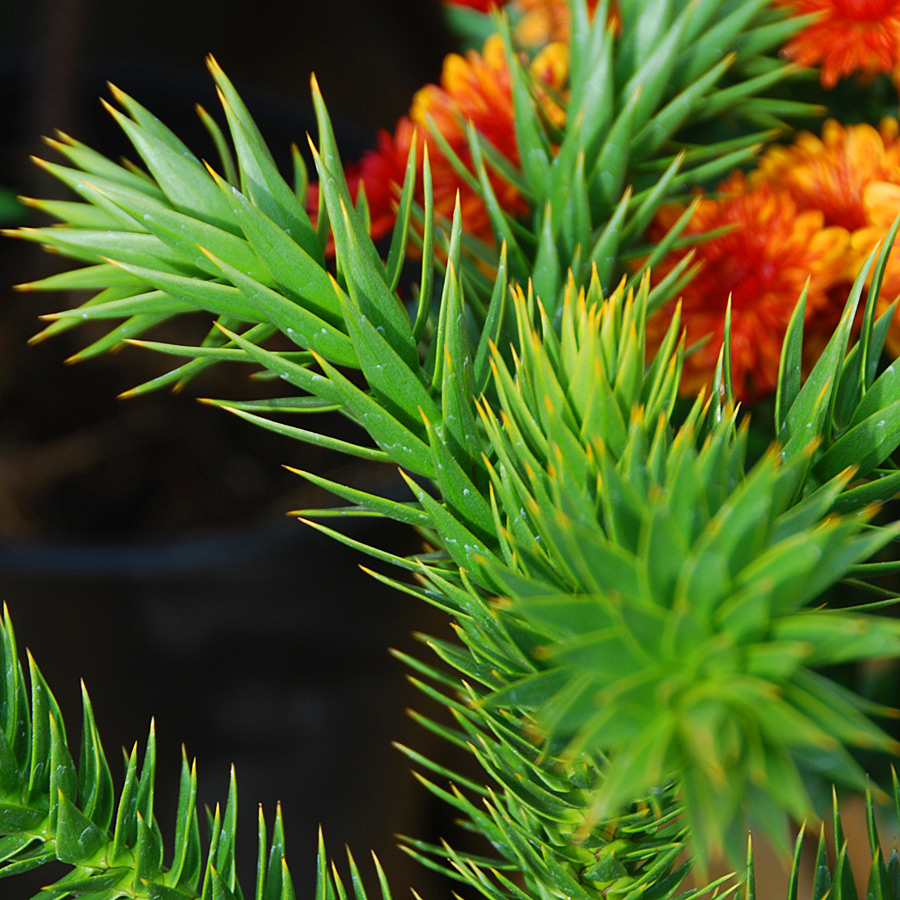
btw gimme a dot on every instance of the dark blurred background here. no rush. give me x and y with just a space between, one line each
143 544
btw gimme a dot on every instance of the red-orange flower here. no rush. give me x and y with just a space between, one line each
849 36
381 171
474 88
762 264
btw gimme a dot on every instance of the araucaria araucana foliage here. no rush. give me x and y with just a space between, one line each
646 604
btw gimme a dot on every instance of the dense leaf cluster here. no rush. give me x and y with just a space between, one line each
54 809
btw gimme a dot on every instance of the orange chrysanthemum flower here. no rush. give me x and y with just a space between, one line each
475 88
831 173
849 36
543 22
762 264
537 22
852 175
